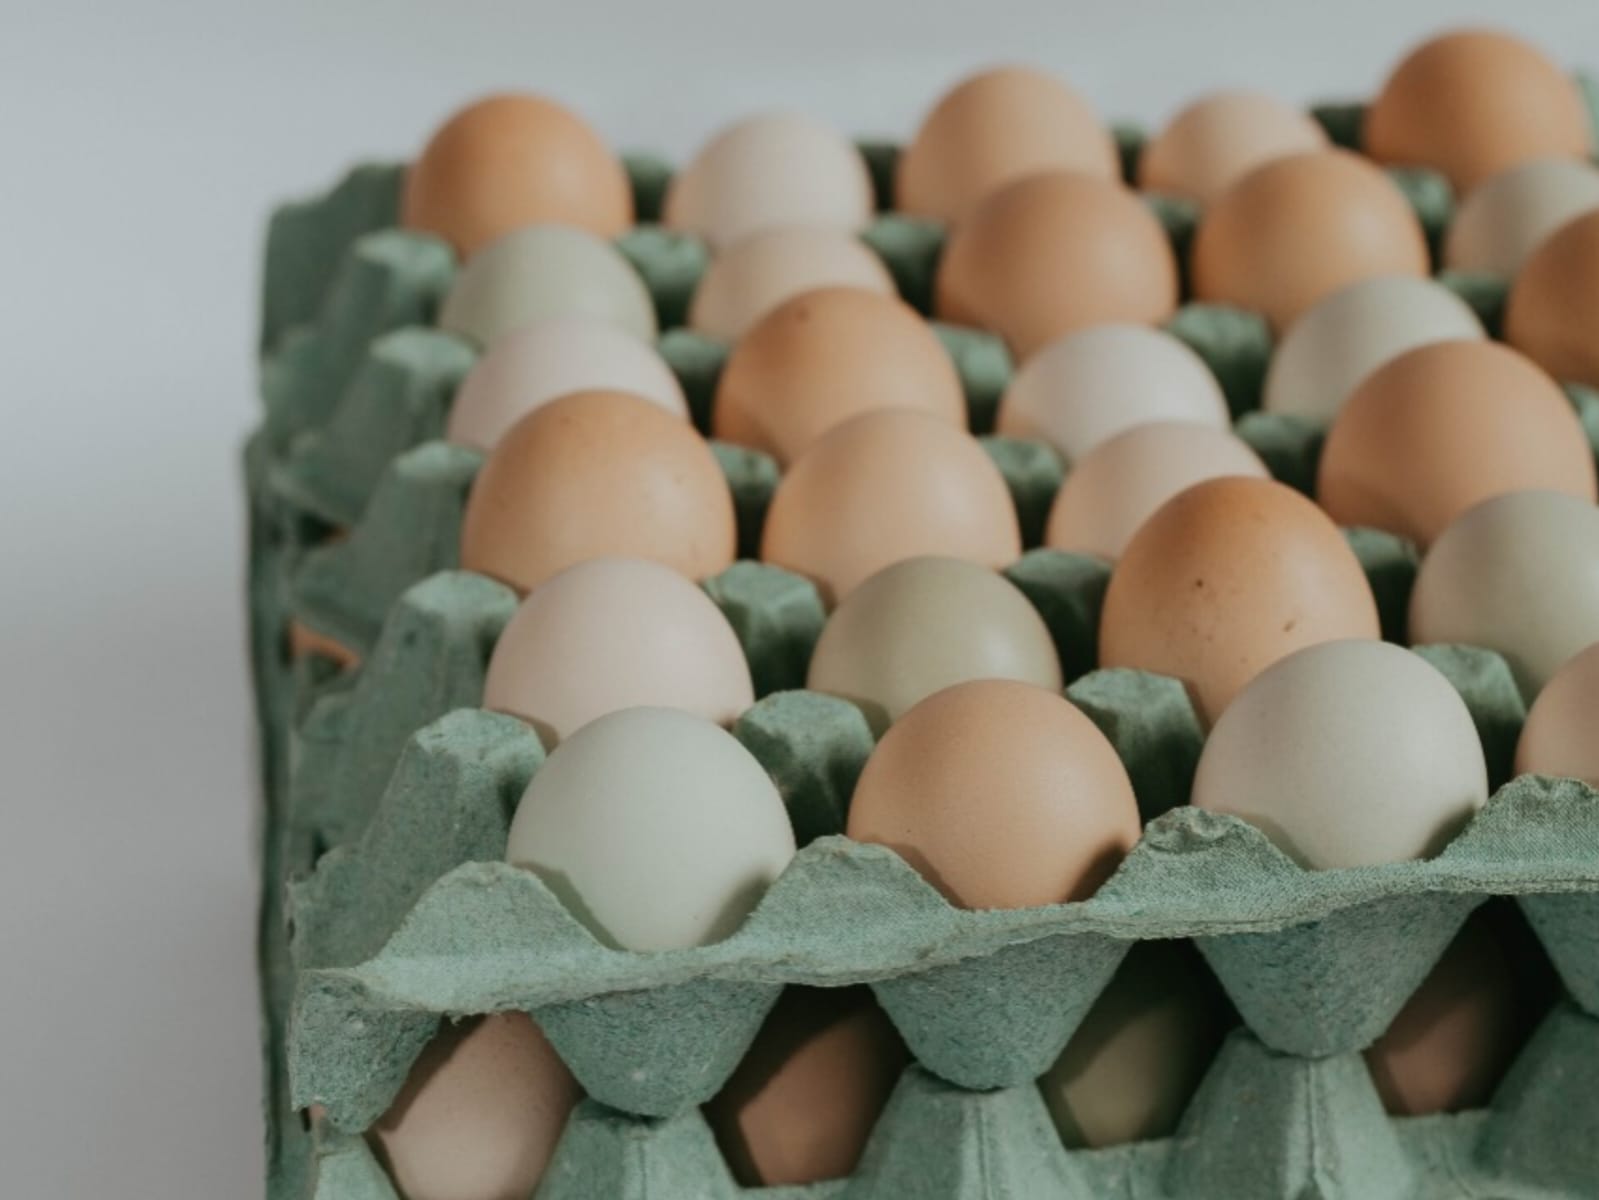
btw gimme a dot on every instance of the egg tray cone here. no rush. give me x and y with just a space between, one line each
356 385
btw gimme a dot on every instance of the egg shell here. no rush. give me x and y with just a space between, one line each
656 828
1443 427
479 1115
1086 387
827 355
1507 216
760 272
1226 578
992 129
1001 794
544 361
1347 754
804 1100
615 633
1518 574
1297 229
771 170
1343 338
885 486
545 271
1471 104
1220 138
596 474
1558 738
1052 253
512 160
1121 483
1553 308
924 624
1138 1057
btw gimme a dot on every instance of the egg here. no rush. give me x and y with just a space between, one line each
1472 103
1343 338
1052 253
1442 427
1138 1057
1219 139
777 169
1505 217
656 828
1558 738
1226 578
1000 794
479 1115
1086 387
512 160
992 129
1553 308
760 272
614 633
305 642
885 486
1120 484
825 356
924 624
806 1097
545 271
544 361
594 474
1300 227
1454 1039
1347 754
1518 574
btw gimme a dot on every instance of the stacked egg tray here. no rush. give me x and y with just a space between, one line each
387 908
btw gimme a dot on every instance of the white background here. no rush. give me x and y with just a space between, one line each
141 145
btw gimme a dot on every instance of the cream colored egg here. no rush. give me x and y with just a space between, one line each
1120 483
1503 219
1220 138
550 359
777 169
545 271
1347 754
1090 385
1518 574
1331 348
655 827
1558 738
924 624
759 272
615 633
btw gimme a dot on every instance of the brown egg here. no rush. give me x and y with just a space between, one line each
1053 253
1219 139
595 474
992 129
885 486
1225 579
305 642
1558 738
1456 1036
1470 104
804 1100
1300 228
512 160
479 1115
1442 427
1553 311
824 357
1002 794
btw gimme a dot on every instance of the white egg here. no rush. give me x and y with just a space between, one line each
1345 337
656 828
1084 388
550 359
1347 754
1558 738
1504 218
1518 574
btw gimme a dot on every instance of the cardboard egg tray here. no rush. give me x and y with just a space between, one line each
388 794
